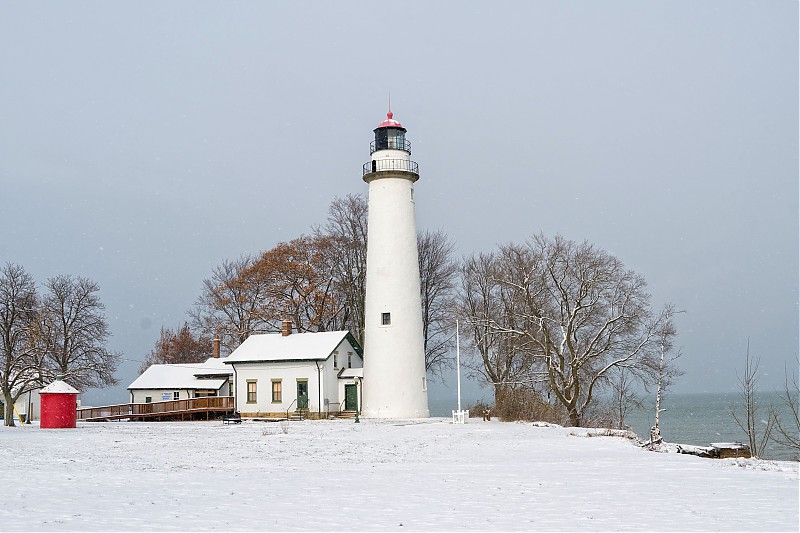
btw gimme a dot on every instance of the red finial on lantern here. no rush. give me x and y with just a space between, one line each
390 122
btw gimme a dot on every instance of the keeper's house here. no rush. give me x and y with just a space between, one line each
314 374
182 381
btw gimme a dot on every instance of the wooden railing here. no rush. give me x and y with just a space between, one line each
170 407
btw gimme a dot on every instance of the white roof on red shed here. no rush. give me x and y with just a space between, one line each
59 387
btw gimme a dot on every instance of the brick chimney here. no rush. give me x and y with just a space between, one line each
286 327
216 346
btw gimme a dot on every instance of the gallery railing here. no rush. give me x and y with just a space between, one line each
380 165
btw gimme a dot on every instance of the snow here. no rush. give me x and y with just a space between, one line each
376 475
59 387
214 366
346 373
179 376
294 347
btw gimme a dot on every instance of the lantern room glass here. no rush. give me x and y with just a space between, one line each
390 139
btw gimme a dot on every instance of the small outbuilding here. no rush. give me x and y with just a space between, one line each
27 406
59 402
182 381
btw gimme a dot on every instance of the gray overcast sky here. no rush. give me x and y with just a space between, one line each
141 144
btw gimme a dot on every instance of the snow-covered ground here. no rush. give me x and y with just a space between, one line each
337 475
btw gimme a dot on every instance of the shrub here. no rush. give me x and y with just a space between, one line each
528 405
478 409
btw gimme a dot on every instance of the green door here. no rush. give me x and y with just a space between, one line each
302 394
351 397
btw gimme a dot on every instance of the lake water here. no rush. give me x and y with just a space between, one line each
697 419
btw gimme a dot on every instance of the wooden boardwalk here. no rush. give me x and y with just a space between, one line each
212 405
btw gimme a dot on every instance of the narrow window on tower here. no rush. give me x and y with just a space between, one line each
386 319
424 384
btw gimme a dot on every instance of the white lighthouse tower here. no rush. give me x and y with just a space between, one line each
395 385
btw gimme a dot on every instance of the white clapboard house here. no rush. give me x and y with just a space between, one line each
315 374
182 381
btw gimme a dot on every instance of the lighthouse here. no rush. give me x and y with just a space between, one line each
395 385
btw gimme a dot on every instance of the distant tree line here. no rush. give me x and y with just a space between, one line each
61 332
555 327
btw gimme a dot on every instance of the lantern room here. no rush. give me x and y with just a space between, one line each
390 152
390 135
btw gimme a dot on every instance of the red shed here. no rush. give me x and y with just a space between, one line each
58 404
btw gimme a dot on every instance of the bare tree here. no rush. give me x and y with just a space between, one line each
624 397
438 273
299 286
578 314
179 346
346 258
229 303
19 366
78 333
488 308
667 370
345 255
787 432
758 430
320 283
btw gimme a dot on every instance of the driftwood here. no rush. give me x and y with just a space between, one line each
717 450
700 451
731 449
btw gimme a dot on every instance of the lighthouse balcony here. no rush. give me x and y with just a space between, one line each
382 165
390 143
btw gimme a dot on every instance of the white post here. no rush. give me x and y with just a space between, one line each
459 417
458 366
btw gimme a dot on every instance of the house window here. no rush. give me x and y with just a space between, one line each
349 359
386 319
277 391
252 389
176 395
335 359
148 399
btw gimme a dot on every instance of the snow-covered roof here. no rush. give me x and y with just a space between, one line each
181 376
390 122
349 373
59 387
294 347
214 366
